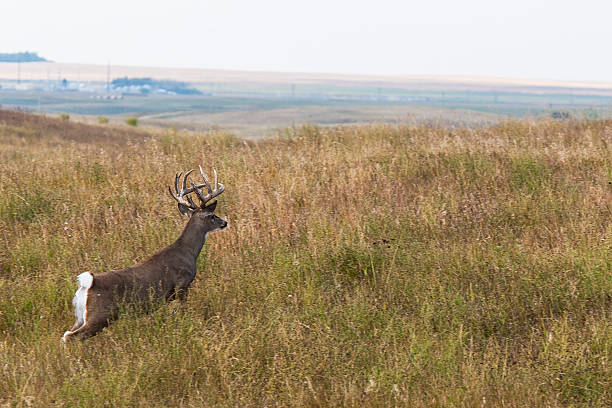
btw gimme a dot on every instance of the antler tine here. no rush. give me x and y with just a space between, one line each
177 198
219 187
176 182
181 196
193 205
205 180
199 193
185 179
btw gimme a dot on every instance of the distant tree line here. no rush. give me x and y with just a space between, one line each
178 87
21 57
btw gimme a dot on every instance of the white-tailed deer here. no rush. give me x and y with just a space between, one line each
164 276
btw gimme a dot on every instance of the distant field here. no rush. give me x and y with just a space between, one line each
404 265
245 116
257 104
269 122
88 72
262 114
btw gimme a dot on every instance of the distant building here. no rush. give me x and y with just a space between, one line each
146 86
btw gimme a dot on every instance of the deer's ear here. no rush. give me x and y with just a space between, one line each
184 210
210 207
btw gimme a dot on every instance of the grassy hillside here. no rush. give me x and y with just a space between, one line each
256 116
368 266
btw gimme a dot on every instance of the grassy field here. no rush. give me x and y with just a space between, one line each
363 266
255 116
257 104
262 114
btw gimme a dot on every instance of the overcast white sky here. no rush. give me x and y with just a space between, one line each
540 39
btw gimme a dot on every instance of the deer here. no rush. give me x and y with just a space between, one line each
166 275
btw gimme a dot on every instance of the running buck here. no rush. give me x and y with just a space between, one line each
164 276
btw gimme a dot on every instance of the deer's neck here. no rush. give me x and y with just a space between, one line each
192 238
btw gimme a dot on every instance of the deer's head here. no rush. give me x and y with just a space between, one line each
203 214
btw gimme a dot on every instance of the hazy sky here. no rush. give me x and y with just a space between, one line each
541 39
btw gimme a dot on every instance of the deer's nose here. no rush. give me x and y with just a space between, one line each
224 224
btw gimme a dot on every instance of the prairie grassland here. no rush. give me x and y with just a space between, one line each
367 266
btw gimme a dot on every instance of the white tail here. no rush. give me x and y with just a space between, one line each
80 302
85 280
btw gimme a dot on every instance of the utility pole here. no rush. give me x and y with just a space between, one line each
108 77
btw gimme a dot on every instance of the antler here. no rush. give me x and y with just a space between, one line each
182 196
182 192
212 193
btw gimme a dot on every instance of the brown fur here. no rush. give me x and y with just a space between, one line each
164 276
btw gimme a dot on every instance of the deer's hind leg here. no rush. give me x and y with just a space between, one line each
77 324
89 329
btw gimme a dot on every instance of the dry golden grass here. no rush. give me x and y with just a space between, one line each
370 266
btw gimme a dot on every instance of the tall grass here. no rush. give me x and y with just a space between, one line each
368 266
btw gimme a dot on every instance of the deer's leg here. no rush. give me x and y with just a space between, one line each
171 296
182 293
90 328
177 293
77 324
182 287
